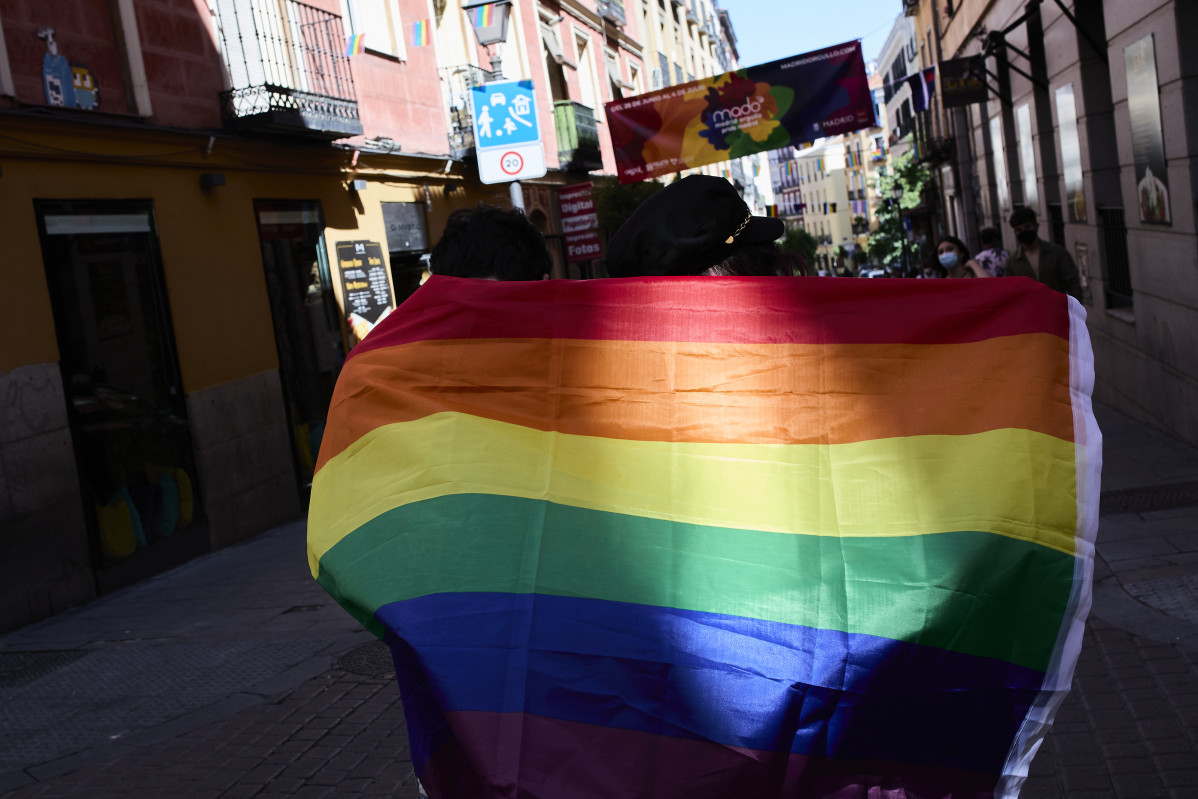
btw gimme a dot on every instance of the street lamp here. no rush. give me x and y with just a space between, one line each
896 194
489 20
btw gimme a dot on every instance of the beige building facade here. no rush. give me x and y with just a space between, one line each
1091 120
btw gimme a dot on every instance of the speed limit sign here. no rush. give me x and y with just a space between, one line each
511 163
518 162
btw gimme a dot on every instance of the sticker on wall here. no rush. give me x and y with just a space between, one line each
68 84
56 73
87 94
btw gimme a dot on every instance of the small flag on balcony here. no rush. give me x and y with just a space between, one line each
355 44
923 88
484 16
420 33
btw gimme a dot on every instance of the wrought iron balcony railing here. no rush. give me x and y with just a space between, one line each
287 69
612 11
577 136
459 81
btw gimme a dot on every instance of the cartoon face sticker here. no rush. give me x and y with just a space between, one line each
87 94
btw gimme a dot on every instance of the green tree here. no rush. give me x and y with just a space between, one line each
615 202
799 240
886 242
860 257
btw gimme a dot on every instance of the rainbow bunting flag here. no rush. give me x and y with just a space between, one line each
753 537
420 33
354 44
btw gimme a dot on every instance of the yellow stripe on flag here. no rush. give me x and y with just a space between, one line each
990 482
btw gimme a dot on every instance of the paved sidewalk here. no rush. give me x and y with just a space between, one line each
236 676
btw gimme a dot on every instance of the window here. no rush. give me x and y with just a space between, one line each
378 21
586 74
1000 165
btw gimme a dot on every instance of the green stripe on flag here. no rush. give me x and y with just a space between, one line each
970 592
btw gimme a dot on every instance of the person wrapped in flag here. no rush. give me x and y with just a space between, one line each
707 536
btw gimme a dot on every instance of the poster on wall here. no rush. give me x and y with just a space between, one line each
1000 166
1083 272
751 110
1027 156
1071 153
365 284
1147 139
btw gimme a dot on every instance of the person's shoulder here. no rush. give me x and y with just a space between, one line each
1055 250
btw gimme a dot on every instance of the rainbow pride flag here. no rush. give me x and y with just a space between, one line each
355 44
420 33
751 537
483 16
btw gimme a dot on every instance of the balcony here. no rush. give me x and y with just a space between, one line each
459 81
287 70
577 137
612 11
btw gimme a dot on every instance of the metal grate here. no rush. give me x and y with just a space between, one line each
459 81
1116 268
1136 500
368 660
287 57
22 668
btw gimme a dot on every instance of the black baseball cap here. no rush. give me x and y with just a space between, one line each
687 227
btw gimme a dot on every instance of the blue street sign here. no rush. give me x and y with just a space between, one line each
505 114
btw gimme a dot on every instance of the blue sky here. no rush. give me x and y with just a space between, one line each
768 30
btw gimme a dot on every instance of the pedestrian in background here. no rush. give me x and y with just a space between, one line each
1041 260
993 257
954 258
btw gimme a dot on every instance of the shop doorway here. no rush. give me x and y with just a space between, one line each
307 322
125 398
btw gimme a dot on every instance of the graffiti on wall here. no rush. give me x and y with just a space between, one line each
68 84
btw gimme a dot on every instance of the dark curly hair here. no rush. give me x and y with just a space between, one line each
490 242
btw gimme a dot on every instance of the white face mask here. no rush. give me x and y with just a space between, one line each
948 259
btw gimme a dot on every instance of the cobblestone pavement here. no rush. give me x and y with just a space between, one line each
235 676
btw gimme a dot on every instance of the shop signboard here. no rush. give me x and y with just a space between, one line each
580 224
406 231
963 81
365 284
751 110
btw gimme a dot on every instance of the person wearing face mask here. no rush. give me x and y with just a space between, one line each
955 260
1041 260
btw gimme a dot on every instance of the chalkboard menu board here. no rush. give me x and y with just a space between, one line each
406 230
366 284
